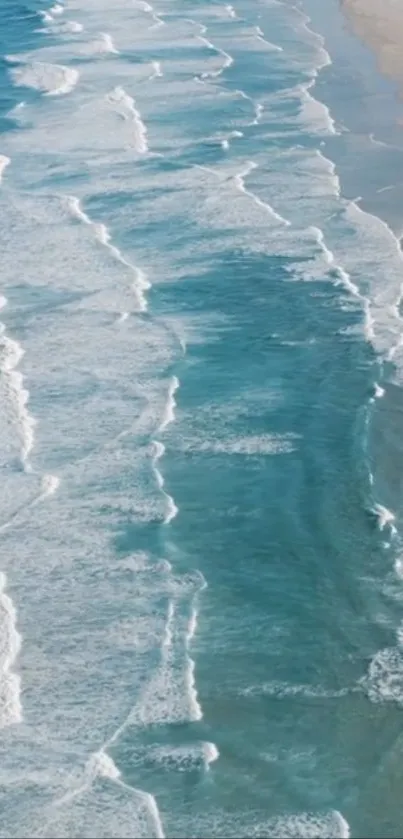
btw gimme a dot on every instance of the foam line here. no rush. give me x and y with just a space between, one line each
257 106
343 278
258 113
49 485
10 645
101 765
308 99
171 509
228 59
16 395
196 710
127 109
141 284
151 11
239 180
169 412
159 449
260 37
225 142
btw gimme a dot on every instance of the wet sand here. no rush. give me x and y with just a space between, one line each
379 24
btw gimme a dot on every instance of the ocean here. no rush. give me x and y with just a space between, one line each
201 370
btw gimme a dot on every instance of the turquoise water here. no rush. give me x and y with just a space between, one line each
200 447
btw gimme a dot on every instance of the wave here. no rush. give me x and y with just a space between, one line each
171 508
192 757
228 59
260 36
343 278
16 396
170 695
125 106
159 449
239 180
102 45
140 284
50 79
126 810
158 21
10 644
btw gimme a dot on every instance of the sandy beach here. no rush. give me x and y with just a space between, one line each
379 24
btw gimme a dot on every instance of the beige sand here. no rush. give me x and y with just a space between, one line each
379 24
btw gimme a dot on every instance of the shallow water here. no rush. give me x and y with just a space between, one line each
199 443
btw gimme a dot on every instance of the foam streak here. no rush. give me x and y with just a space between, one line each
10 643
240 183
140 284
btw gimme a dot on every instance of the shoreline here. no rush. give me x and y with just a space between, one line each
379 25
367 108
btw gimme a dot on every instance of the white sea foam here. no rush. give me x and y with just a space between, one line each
239 180
151 11
157 72
281 690
385 517
315 113
4 162
125 106
140 284
60 27
304 825
102 45
50 483
263 444
10 643
169 410
228 59
259 109
384 682
231 12
98 802
50 79
330 825
171 509
169 695
159 449
343 278
379 391
57 9
260 36
194 756
16 396
225 142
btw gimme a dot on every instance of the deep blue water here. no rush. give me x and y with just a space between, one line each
200 451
